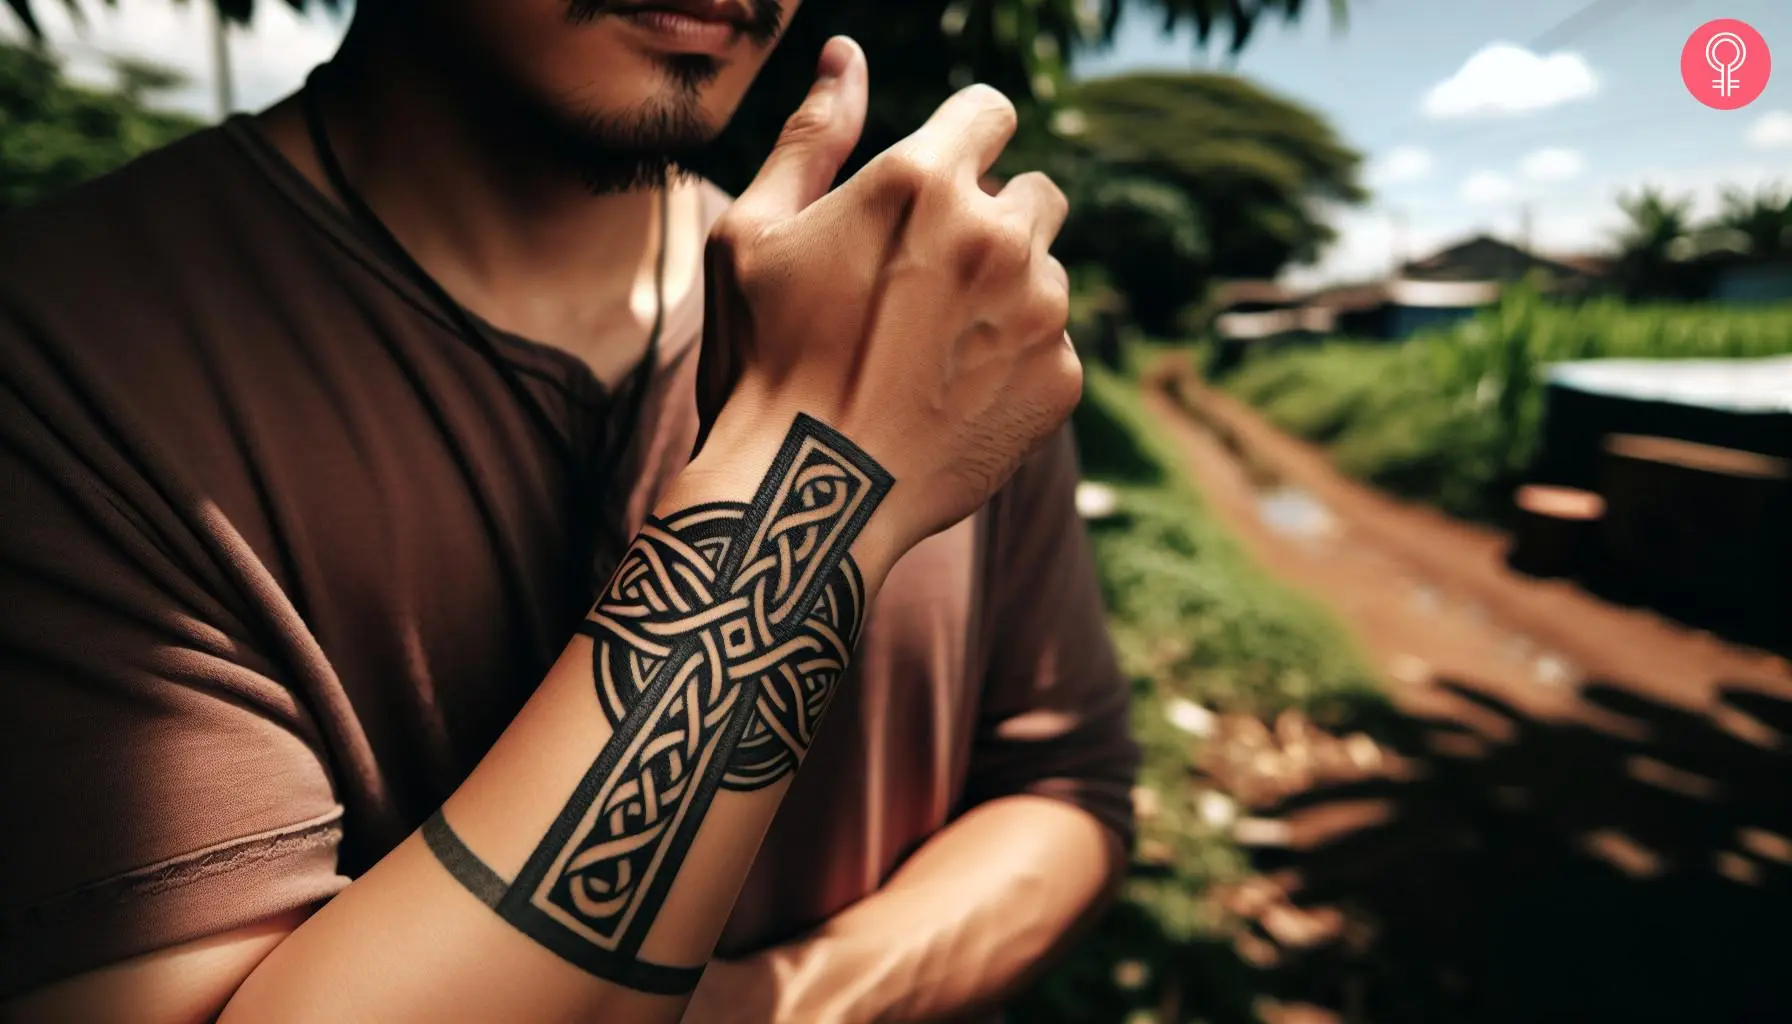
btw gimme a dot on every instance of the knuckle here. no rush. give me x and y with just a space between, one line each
993 248
805 126
912 169
1047 196
1066 378
736 244
734 230
1012 241
1053 302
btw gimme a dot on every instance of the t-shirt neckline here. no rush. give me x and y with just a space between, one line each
558 367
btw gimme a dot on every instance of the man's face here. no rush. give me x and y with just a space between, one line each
618 89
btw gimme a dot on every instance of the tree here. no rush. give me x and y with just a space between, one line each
1758 223
54 134
1255 163
1653 243
922 50
1175 179
232 12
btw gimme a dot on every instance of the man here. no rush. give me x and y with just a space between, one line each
323 429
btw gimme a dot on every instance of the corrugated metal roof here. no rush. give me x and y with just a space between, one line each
1737 385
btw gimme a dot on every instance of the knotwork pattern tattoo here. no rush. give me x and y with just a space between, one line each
716 647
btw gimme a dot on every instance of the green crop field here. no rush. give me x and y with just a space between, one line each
1451 416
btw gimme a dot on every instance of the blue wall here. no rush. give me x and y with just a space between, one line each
1404 321
1743 285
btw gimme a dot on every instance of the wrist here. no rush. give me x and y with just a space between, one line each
737 459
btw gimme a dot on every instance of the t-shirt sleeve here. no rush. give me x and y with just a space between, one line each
1055 717
160 784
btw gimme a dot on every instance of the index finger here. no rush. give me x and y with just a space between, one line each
970 129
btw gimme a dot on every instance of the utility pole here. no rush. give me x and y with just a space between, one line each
221 62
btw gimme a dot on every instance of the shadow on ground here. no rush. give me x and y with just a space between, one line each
1630 866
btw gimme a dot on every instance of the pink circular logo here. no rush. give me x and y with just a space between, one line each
1725 64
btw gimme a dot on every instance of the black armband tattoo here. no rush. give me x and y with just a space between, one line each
716 648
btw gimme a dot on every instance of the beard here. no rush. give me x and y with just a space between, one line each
608 150
641 147
654 142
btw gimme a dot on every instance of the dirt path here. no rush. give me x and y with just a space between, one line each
1598 820
1428 595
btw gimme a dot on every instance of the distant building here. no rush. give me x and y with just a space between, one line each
1448 286
1741 283
1249 311
1485 258
1445 287
1401 307
1248 315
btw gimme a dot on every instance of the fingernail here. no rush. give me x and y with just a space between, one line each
834 58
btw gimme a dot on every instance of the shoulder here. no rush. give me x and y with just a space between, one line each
114 221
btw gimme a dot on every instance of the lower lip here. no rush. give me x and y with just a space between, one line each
678 31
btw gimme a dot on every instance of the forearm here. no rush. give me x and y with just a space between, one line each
610 828
963 924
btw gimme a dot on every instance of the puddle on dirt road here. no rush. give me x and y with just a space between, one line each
1293 512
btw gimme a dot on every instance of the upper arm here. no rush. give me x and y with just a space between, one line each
1055 712
161 787
184 984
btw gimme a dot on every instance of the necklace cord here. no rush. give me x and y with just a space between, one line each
619 437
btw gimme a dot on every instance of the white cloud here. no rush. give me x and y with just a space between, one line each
1400 165
1552 164
1486 187
269 59
1503 79
1772 130
1575 230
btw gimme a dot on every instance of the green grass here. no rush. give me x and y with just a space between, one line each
1191 617
1451 417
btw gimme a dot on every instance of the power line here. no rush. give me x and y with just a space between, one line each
1588 17
1582 20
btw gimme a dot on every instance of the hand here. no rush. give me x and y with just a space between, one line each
908 309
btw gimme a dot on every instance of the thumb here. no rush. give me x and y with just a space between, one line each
817 139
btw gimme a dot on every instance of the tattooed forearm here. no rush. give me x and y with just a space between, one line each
716 647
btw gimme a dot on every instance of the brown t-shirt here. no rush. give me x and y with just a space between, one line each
281 553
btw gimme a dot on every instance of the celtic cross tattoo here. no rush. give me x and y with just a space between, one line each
715 649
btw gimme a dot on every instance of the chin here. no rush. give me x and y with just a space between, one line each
697 87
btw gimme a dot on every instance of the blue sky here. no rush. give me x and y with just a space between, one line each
1468 115
1587 110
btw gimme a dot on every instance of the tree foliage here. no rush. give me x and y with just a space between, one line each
1664 252
1757 223
1255 163
920 51
1176 179
236 12
54 134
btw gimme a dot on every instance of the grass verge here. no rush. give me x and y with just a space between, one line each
1195 623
